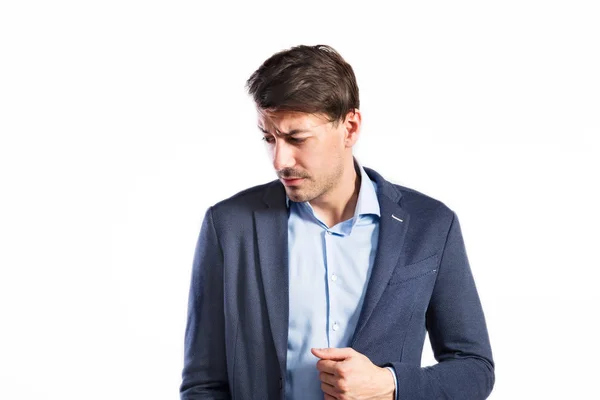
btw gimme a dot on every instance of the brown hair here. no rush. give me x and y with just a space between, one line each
310 79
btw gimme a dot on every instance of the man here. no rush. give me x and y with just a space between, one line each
323 283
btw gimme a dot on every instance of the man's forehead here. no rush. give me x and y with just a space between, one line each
289 120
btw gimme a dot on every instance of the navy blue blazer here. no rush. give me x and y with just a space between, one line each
236 333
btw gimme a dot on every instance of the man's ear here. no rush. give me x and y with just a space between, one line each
352 124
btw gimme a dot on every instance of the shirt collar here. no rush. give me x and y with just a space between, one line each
367 202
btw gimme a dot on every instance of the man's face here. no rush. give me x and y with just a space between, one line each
307 151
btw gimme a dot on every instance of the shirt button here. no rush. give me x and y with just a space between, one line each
334 277
335 326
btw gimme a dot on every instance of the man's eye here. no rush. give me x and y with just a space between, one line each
296 140
268 139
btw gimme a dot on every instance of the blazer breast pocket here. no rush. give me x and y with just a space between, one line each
425 267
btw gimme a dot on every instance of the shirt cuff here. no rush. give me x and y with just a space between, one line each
393 371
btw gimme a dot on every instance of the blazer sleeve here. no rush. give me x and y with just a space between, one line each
458 334
204 373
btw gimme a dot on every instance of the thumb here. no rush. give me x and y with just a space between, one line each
333 353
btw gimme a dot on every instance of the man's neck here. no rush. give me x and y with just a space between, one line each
339 205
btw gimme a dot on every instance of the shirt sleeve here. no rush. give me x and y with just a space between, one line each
395 381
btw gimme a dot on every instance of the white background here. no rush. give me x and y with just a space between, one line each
122 121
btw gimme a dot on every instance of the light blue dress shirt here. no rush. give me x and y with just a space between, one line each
329 268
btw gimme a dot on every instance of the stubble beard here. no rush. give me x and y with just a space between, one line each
303 194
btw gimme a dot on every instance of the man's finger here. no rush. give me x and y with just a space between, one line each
327 366
328 389
333 353
327 378
329 397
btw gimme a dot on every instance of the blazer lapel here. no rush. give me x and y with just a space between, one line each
393 225
271 234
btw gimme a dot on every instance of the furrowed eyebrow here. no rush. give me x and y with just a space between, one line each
292 132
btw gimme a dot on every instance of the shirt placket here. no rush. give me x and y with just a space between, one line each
334 323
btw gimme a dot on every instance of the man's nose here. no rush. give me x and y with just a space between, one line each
283 155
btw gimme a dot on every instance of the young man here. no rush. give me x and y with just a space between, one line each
323 283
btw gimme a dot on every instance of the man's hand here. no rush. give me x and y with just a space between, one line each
346 374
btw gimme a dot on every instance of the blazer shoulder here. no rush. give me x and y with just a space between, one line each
423 205
243 201
412 201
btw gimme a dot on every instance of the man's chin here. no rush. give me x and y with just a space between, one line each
296 195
